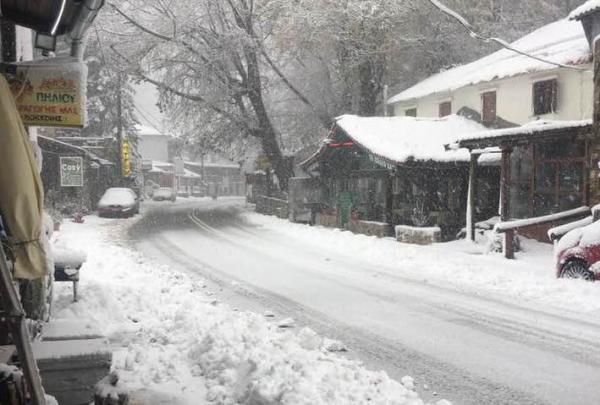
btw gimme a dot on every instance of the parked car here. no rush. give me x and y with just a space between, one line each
119 202
164 194
578 253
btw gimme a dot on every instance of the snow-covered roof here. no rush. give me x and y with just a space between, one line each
190 174
162 167
585 9
400 139
223 165
145 130
530 128
561 42
76 148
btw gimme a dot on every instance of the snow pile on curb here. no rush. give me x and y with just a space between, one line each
171 336
246 361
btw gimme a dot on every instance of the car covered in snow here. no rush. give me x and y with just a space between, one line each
164 194
119 201
578 253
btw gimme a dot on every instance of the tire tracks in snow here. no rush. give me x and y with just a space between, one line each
378 352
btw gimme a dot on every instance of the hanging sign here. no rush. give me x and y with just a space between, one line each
50 92
71 171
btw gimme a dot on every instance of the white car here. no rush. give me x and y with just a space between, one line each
118 201
164 194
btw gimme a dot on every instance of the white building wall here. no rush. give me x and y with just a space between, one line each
154 147
514 97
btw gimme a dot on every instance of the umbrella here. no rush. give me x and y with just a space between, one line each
21 192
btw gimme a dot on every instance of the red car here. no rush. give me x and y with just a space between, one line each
578 253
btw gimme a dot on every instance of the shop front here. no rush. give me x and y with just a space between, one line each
546 171
381 172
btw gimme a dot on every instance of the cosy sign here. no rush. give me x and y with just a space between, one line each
71 171
50 92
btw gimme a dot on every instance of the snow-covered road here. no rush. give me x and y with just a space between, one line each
472 348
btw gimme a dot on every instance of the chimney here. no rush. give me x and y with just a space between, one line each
589 16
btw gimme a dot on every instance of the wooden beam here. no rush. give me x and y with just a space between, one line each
389 197
509 252
596 124
505 185
472 198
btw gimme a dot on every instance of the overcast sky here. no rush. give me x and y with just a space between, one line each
145 105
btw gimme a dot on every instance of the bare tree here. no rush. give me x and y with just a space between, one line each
209 57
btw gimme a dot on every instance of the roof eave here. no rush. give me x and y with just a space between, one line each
524 138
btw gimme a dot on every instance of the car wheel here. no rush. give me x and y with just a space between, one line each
577 269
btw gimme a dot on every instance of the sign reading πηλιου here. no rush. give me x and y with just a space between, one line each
71 171
50 93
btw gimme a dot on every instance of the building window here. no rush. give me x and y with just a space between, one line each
411 112
488 107
545 97
559 177
520 177
547 178
445 108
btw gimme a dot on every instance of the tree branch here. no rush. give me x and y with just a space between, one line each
138 25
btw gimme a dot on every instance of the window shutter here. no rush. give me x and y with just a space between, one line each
445 109
488 107
545 97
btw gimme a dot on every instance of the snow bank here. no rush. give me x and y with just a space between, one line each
463 266
170 336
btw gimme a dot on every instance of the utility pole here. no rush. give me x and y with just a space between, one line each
385 99
119 128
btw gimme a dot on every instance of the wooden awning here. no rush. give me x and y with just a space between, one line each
527 134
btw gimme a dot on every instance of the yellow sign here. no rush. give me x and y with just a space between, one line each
126 158
49 92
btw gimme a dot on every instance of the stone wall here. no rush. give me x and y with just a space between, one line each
380 229
326 220
272 206
418 236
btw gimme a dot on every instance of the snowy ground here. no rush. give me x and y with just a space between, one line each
470 327
461 265
176 344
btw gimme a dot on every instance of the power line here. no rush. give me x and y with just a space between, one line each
146 117
474 34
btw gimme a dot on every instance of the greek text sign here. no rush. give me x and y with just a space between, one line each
50 93
71 171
